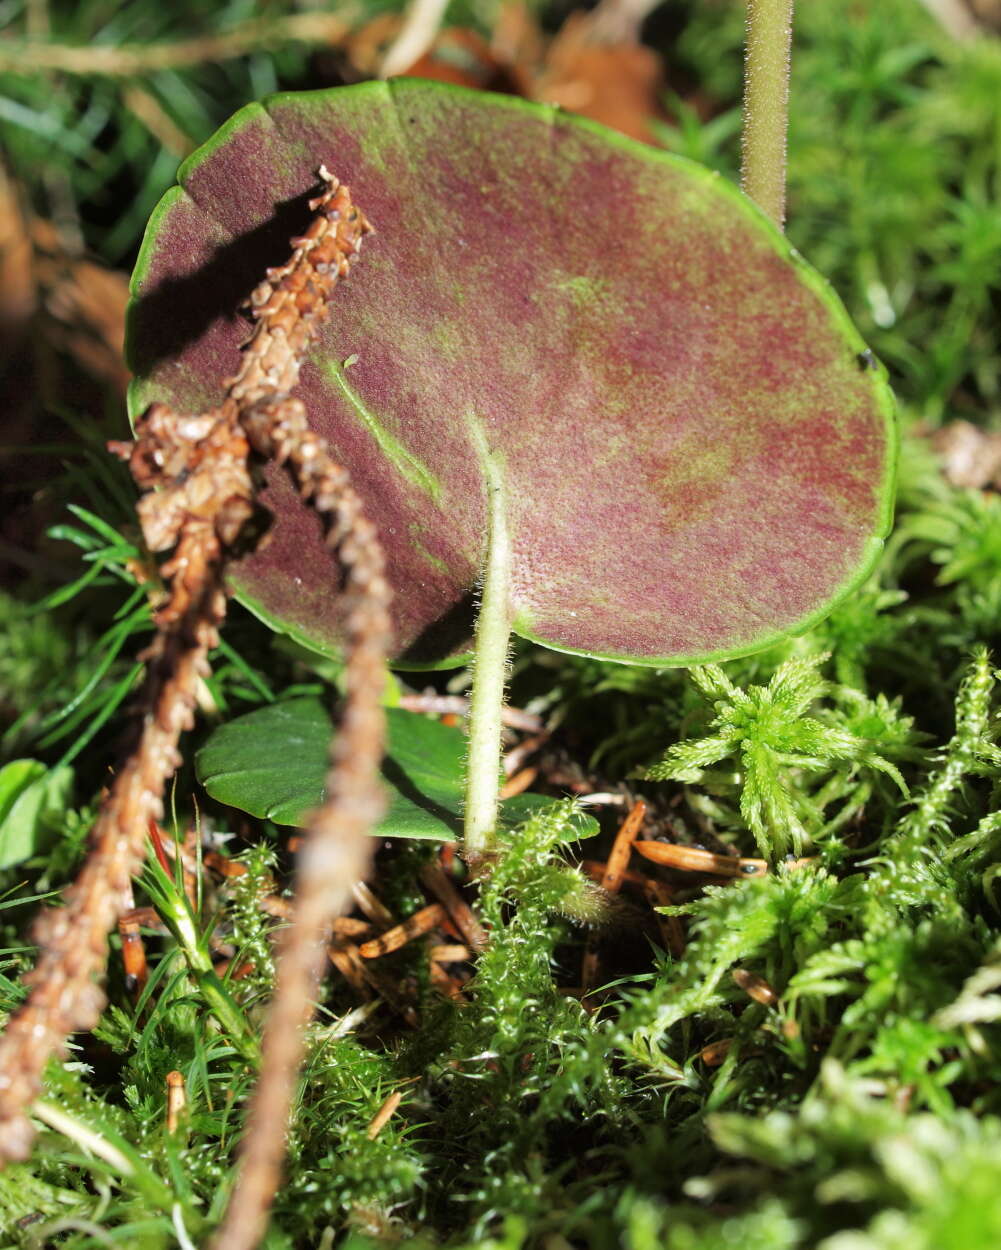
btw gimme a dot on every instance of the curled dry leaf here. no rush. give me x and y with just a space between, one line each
617 82
970 456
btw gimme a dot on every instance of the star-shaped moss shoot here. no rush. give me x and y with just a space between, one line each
766 733
586 375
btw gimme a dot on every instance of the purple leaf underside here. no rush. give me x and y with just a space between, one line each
697 461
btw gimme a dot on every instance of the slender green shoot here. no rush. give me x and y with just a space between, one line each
104 1144
766 105
175 910
493 635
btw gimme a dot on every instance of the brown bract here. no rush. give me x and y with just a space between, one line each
201 496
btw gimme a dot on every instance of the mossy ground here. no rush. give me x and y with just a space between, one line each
858 1107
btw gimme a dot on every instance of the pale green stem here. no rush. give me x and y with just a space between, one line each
766 105
119 1155
493 636
176 911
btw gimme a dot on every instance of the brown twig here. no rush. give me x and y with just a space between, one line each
660 894
287 308
519 755
224 866
618 859
450 953
612 877
350 926
144 105
454 704
177 1100
462 914
383 1115
29 56
345 958
417 34
447 985
421 922
205 501
371 905
133 954
364 976
694 859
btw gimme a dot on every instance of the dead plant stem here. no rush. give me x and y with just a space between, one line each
30 56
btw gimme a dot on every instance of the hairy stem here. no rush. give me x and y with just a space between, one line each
338 849
493 635
766 105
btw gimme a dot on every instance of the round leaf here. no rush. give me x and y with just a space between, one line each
697 450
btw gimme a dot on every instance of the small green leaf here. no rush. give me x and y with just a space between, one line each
273 762
32 801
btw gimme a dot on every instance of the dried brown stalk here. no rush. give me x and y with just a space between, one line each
660 894
440 885
446 985
414 926
383 1115
372 905
350 926
515 759
618 860
345 958
420 27
136 60
450 953
133 954
612 877
693 859
177 1100
338 850
431 704
205 500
